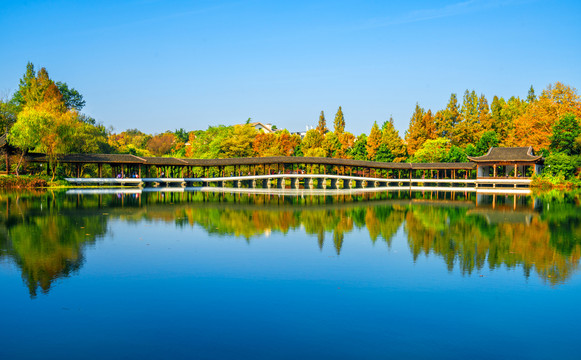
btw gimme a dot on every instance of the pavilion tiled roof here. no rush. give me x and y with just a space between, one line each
499 154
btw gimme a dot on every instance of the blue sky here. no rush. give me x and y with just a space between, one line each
159 65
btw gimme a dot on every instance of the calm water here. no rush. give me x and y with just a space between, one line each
219 275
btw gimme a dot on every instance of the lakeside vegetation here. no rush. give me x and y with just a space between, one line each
46 116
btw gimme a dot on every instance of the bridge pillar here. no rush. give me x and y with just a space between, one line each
321 183
294 183
280 182
308 183
204 183
266 183
356 184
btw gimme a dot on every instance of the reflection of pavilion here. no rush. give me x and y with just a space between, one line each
505 208
493 216
515 162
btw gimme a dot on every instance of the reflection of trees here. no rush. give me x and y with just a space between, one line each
44 245
45 234
471 243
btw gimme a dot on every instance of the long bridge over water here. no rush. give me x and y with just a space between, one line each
502 167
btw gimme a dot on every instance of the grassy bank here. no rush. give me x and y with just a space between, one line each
23 181
546 182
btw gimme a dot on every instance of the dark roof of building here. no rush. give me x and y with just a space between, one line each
497 154
89 158
273 160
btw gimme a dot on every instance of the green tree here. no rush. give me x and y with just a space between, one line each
566 131
392 143
359 150
433 150
455 155
489 139
71 97
531 97
8 113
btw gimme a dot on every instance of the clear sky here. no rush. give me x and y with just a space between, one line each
163 65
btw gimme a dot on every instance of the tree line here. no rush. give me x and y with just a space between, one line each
45 116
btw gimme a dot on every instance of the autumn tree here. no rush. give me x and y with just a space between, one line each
445 120
535 126
422 127
373 141
467 130
339 123
392 143
161 144
313 142
484 118
322 125
240 143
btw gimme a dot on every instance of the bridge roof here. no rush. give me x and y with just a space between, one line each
170 161
507 154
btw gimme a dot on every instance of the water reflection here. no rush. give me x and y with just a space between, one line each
45 234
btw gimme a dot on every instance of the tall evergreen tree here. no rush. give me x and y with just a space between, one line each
339 122
467 130
531 97
322 126
373 141
447 119
484 117
392 142
416 135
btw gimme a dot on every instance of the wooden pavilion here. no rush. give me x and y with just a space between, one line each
508 162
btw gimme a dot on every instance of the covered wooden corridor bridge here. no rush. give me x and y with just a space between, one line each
263 171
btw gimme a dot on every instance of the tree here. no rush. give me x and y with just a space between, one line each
467 129
484 118
433 150
339 122
25 83
331 144
181 135
535 126
531 97
489 139
346 141
322 126
416 135
313 142
374 141
391 142
71 97
161 144
240 143
455 155
8 113
359 150
447 119
565 133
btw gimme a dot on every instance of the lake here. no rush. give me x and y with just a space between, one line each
192 274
